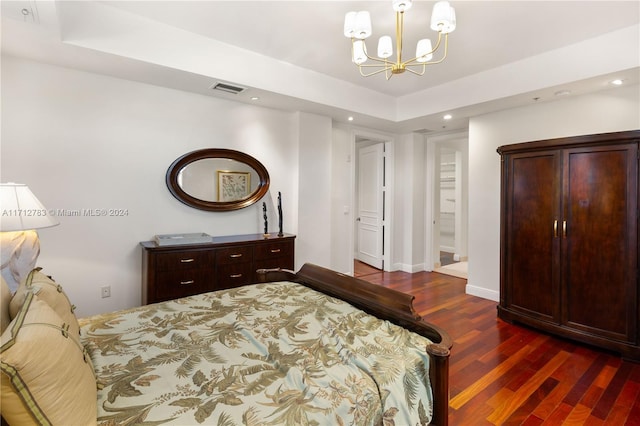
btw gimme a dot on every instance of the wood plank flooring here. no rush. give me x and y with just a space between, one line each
502 374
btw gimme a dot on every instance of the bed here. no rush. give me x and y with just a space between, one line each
287 350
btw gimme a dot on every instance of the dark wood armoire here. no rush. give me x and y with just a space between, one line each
569 238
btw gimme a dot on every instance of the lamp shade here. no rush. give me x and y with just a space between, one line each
362 25
443 17
385 47
350 24
359 53
20 210
424 51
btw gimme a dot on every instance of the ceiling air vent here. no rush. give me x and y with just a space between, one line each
229 88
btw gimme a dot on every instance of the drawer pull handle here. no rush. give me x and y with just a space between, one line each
235 276
235 255
187 260
186 282
275 250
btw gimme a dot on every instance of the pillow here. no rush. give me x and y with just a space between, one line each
50 292
46 377
5 298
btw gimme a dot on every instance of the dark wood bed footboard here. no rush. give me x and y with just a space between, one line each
384 303
439 376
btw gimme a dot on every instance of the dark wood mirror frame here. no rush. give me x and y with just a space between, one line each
216 206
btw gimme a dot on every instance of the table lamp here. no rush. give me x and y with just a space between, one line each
21 213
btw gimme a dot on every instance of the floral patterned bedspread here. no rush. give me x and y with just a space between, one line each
264 354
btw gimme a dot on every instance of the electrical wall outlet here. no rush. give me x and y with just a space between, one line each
105 291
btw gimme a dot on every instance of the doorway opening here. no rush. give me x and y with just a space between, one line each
449 201
448 157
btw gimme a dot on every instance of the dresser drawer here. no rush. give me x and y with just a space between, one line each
183 260
273 250
233 275
175 284
232 255
274 263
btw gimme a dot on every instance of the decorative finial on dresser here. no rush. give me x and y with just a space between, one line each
280 233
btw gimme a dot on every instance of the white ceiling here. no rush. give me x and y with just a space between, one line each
292 54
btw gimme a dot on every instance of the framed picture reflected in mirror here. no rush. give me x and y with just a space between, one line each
233 186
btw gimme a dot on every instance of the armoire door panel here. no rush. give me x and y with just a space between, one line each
533 265
600 250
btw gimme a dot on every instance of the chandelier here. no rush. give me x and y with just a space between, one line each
357 27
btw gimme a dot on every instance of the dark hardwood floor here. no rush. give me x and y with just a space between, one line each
502 374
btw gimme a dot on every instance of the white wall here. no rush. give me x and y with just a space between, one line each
409 203
87 141
342 206
314 207
607 111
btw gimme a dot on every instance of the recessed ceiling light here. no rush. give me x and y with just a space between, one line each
617 82
255 98
350 118
562 93
448 117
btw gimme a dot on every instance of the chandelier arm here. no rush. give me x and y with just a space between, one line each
389 65
388 73
374 72
424 68
353 49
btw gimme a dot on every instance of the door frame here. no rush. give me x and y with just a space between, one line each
360 136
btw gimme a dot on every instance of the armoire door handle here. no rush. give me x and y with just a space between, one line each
564 229
555 228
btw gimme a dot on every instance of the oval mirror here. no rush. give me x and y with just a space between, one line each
216 179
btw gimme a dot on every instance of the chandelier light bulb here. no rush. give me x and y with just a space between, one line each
385 47
401 5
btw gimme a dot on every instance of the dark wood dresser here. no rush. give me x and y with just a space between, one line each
569 238
170 272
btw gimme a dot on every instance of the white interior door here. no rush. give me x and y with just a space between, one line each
370 221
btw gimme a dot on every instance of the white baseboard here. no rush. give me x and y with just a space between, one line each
483 292
408 268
